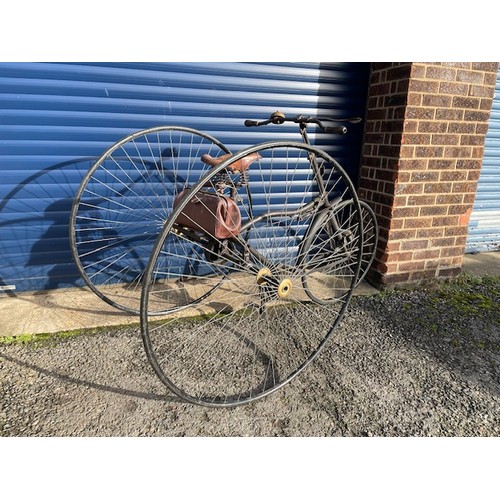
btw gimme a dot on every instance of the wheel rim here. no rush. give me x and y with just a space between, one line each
330 256
123 202
259 329
370 238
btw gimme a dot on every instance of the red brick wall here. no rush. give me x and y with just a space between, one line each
423 148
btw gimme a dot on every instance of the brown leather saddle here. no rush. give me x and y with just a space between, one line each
240 165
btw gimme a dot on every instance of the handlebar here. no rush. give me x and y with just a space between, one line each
279 118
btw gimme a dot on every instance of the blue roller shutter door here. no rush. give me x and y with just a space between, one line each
56 119
484 224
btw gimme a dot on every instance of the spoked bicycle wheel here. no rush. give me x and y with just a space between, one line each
259 328
123 201
326 249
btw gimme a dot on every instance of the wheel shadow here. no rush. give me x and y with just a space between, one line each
34 227
271 379
260 370
88 384
35 245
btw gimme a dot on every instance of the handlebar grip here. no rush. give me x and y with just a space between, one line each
251 123
341 130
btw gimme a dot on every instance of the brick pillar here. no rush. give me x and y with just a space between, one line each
422 154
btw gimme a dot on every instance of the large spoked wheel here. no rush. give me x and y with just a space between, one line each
123 202
259 328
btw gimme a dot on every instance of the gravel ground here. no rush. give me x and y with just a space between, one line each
403 363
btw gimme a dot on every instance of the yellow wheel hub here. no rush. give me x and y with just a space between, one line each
284 288
260 275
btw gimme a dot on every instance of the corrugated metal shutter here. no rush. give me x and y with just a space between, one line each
484 225
56 119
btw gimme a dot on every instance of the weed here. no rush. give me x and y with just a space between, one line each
36 339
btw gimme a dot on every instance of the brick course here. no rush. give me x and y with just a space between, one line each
422 154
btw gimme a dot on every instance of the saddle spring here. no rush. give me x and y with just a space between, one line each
223 181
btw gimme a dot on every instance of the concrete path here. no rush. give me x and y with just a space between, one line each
74 308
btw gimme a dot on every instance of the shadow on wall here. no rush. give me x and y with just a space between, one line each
34 228
36 246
